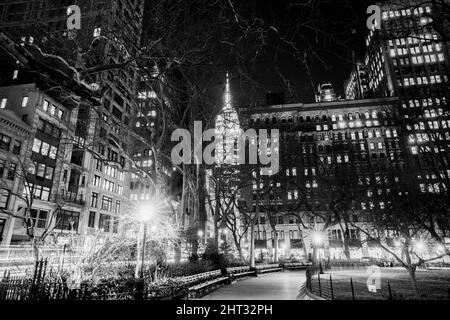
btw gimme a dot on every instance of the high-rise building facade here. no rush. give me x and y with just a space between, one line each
409 58
357 86
14 133
93 173
362 135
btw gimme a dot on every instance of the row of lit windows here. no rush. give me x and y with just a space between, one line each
52 110
371 205
420 59
405 12
110 171
433 188
42 171
343 125
377 180
415 50
45 149
108 185
151 113
140 124
445 124
425 149
423 137
434 176
420 81
39 192
144 163
142 196
428 59
425 102
147 95
334 118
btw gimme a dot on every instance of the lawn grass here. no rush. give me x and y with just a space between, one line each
433 284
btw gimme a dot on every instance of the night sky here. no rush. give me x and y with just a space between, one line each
340 30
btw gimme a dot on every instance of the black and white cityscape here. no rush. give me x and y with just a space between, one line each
224 150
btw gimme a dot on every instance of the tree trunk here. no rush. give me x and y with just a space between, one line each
238 247
314 256
35 246
216 222
347 248
410 268
252 244
412 275
177 248
275 257
305 250
194 251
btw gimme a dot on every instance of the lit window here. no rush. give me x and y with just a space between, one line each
97 32
45 105
3 103
15 74
24 102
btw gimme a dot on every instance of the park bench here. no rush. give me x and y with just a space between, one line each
297 265
240 272
201 283
267 268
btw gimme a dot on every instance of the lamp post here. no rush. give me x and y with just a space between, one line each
145 214
317 240
200 235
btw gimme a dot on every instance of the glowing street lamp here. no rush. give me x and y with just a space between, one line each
420 245
317 239
146 213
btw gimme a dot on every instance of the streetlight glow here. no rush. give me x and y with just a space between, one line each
420 245
317 238
146 211
200 233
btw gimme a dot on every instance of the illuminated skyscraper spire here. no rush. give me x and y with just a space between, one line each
227 126
227 94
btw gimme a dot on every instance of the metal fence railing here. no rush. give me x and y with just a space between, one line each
42 285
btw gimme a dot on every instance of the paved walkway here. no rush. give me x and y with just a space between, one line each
284 285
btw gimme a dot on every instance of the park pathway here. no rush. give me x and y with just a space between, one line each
283 285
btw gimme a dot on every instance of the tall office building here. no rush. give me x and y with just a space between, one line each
363 135
93 172
409 58
357 86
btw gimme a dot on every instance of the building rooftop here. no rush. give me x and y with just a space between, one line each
317 106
